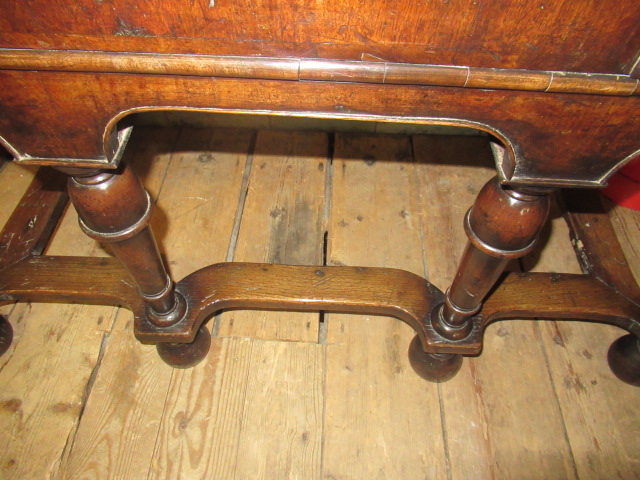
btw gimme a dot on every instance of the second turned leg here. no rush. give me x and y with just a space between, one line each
503 224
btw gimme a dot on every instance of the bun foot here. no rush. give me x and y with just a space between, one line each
186 355
624 359
434 367
6 334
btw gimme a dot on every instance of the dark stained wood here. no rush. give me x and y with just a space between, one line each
634 69
502 224
559 139
153 64
377 291
601 256
186 355
235 285
555 84
64 279
596 244
116 209
562 82
28 229
434 367
128 375
561 35
624 359
566 297
6 334
317 70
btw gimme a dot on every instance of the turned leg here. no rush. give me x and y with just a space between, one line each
502 224
115 209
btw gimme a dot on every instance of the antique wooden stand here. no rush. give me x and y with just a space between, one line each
447 326
556 85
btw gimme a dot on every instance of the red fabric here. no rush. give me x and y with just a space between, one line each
624 186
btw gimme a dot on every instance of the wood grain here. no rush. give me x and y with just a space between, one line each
102 431
488 404
596 244
561 35
603 446
549 139
14 180
299 69
282 222
375 221
28 230
232 404
626 223
103 444
149 148
252 410
540 400
197 206
216 159
121 418
41 407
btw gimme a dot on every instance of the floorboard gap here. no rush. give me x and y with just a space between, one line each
71 438
233 240
243 197
323 319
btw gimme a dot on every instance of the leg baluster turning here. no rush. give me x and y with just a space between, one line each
114 208
502 224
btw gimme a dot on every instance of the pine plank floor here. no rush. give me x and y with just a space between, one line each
286 395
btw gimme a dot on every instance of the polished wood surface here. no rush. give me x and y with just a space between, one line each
556 87
302 69
116 210
549 139
503 224
555 84
562 35
342 392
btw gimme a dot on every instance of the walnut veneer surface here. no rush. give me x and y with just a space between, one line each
554 82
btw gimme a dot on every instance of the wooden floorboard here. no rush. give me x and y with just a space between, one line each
604 441
488 404
309 396
375 405
282 222
44 378
122 411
